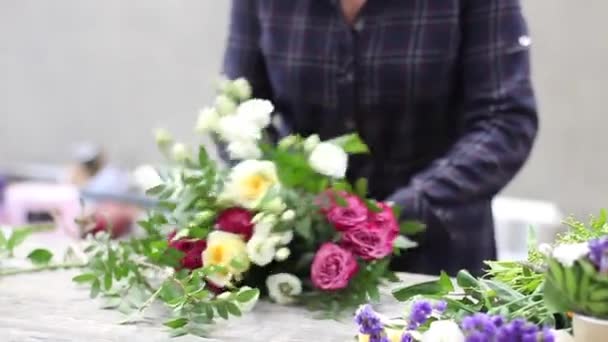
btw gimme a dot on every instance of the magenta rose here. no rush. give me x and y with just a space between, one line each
385 219
192 249
369 241
332 267
346 217
237 221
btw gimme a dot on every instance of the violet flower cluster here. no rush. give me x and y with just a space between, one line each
598 253
482 327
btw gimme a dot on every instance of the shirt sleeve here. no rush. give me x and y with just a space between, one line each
243 56
499 123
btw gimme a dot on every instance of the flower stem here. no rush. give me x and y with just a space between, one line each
42 268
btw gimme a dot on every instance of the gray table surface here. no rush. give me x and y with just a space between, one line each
47 306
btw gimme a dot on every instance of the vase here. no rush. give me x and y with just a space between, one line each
589 329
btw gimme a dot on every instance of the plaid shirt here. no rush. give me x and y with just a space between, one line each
439 89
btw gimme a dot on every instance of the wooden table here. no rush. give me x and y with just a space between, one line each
47 306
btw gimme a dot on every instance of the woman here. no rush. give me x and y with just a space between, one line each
439 89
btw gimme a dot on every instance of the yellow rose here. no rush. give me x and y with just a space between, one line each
393 335
225 249
249 181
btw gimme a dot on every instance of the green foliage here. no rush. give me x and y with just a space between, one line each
15 238
40 256
351 143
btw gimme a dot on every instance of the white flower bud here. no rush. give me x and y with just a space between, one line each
242 89
208 120
286 237
329 160
260 251
311 142
282 254
242 150
545 249
179 152
147 177
224 105
283 287
275 206
163 137
288 215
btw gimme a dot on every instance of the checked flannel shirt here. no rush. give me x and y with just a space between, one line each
439 89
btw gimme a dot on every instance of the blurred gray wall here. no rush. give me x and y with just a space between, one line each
112 70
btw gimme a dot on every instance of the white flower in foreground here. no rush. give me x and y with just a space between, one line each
242 88
260 251
567 254
283 287
311 142
249 181
282 254
224 105
443 331
241 150
234 128
208 120
329 160
179 152
286 237
256 111
146 177
163 137
288 215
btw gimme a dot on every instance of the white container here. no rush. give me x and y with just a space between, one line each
588 329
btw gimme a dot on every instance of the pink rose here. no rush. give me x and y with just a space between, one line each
344 218
333 267
385 219
369 241
237 221
192 249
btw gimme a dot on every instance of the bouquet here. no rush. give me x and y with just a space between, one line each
281 222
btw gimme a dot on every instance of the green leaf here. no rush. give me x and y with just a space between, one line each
439 287
247 295
40 256
361 187
84 278
95 288
402 242
107 281
351 143
176 323
222 309
373 293
203 157
465 280
411 227
17 237
304 228
156 190
372 206
2 239
233 309
209 311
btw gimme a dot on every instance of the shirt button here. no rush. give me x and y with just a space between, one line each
359 25
350 124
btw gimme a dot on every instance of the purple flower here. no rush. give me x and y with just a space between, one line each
407 337
421 312
598 253
479 322
481 327
440 306
369 322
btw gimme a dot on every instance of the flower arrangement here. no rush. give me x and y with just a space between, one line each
281 222
425 322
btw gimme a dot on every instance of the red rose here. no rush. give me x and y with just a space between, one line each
369 241
345 217
386 220
192 249
332 267
237 221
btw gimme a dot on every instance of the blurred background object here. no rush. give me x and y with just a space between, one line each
112 71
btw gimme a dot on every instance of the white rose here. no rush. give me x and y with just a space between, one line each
329 160
208 120
256 111
234 128
249 181
180 152
443 331
241 150
146 177
260 251
241 88
282 254
567 254
224 105
283 287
